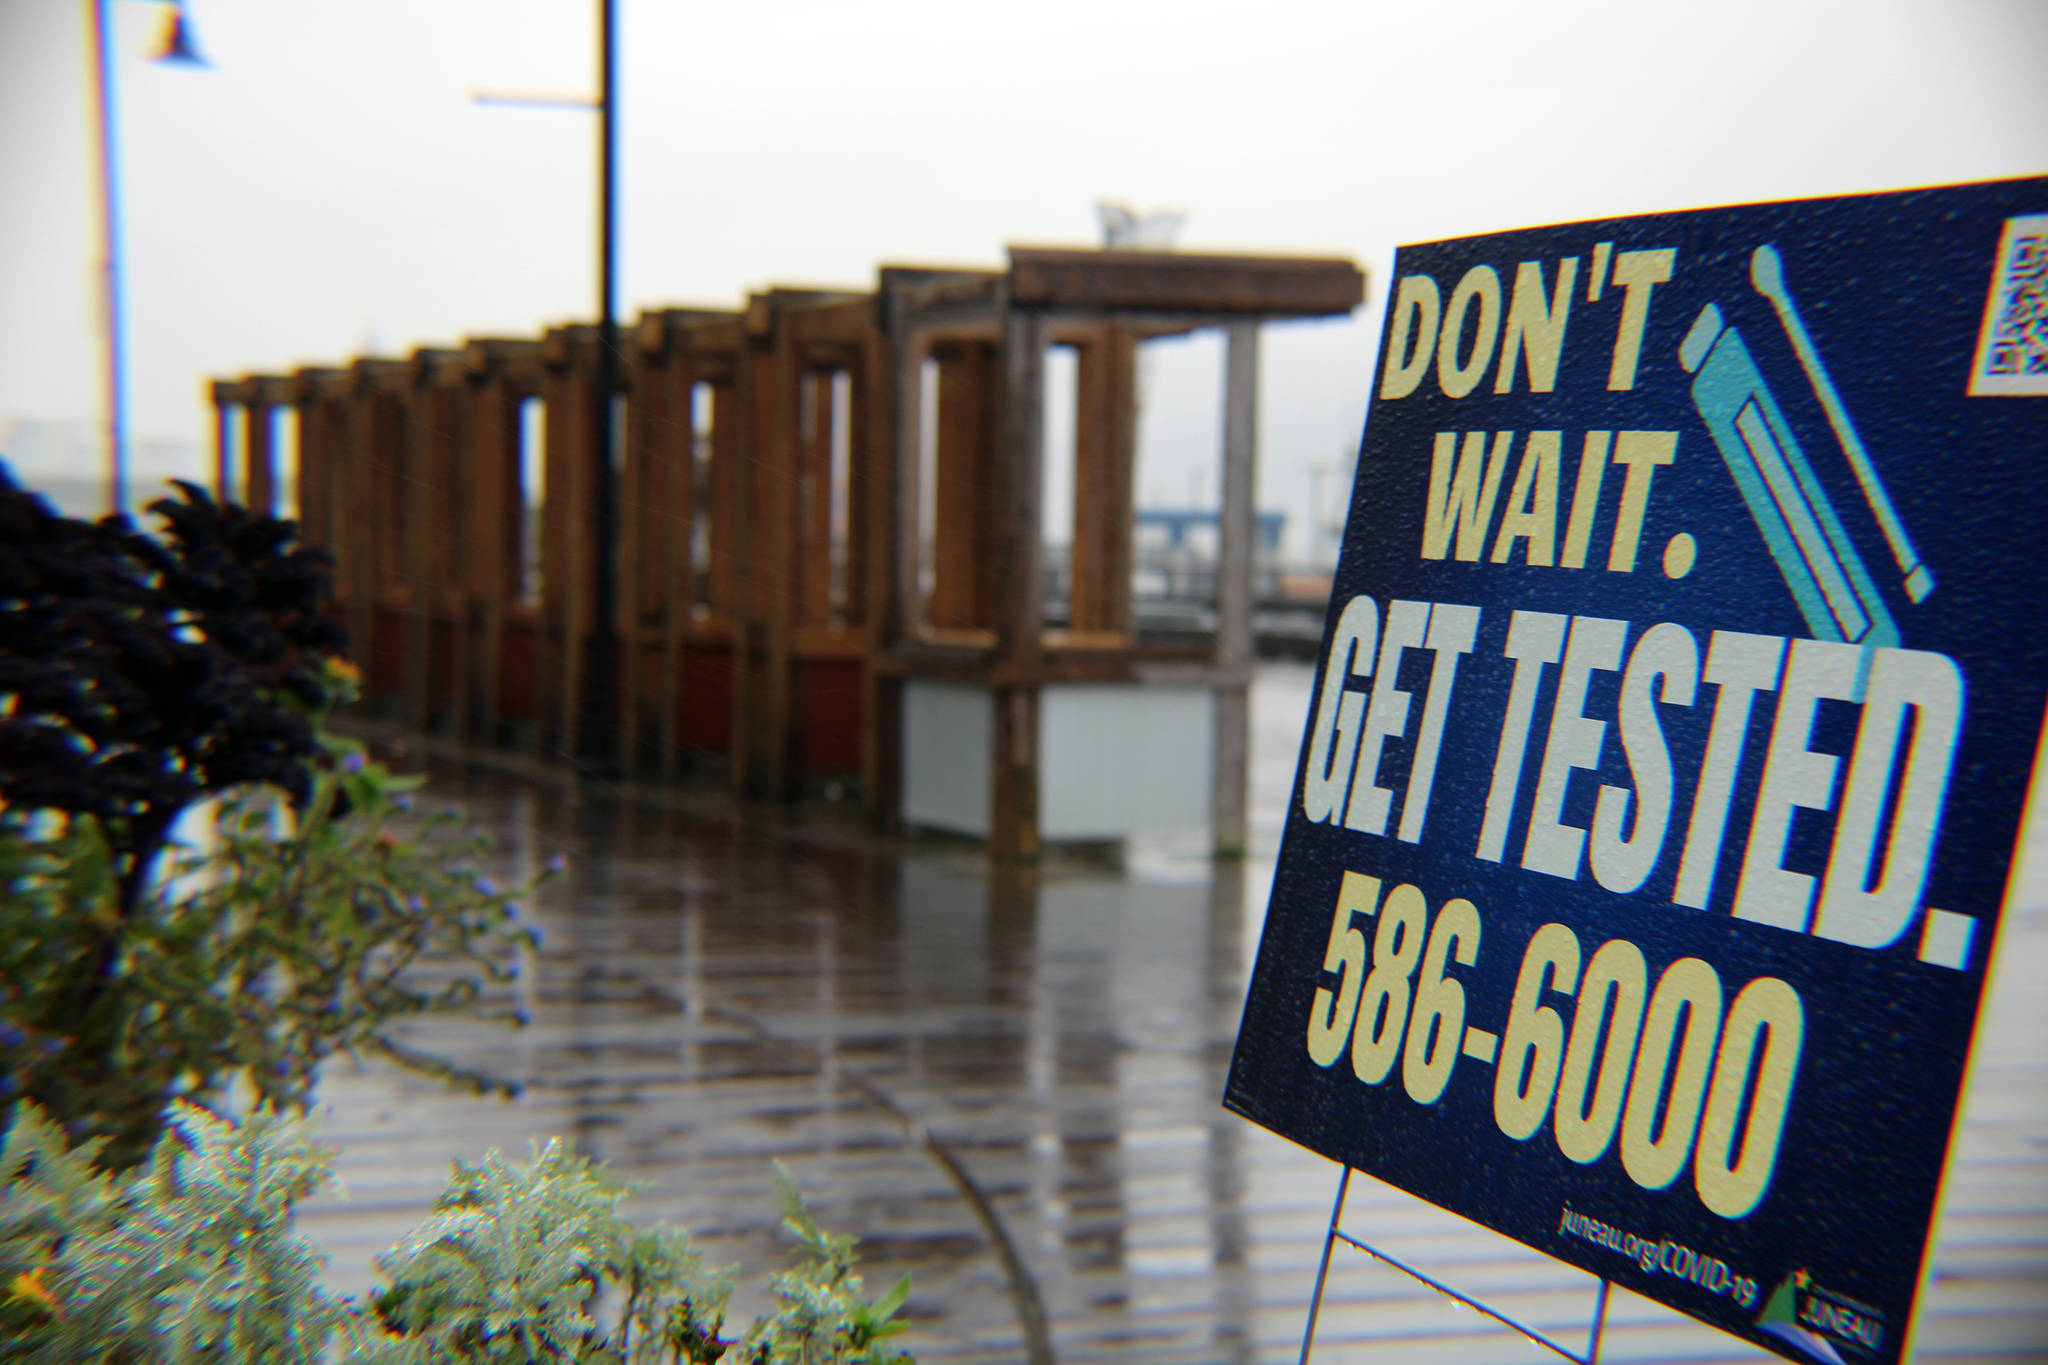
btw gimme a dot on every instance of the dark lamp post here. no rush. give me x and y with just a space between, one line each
179 49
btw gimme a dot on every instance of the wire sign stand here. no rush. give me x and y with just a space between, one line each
1335 1233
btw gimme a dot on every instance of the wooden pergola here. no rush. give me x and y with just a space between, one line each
786 615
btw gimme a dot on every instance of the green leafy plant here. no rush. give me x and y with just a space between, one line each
191 1257
139 679
825 1315
187 1257
513 1263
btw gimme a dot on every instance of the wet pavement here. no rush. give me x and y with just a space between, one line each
719 989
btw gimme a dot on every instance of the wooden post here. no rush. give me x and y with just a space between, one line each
420 489
1105 454
394 508
899 400
307 474
565 556
338 431
557 429
726 532
814 497
874 509
1019 588
775 567
637 475
467 462
906 400
746 553
678 549
357 506
965 518
455 490
316 492
493 514
579 466
867 477
1231 751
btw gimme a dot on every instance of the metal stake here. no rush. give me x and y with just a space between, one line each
1315 1304
1599 1325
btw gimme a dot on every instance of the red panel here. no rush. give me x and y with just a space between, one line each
515 677
387 653
706 719
441 663
828 698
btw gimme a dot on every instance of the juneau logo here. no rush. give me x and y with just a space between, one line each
1817 1321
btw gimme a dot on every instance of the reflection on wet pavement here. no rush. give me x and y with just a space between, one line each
714 984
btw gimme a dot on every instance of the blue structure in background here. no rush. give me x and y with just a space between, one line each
1178 522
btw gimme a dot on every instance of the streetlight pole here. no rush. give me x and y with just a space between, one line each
110 267
598 725
178 51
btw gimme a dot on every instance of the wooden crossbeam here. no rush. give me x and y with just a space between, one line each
1267 286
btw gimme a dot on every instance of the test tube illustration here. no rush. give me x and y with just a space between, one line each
1767 273
1829 582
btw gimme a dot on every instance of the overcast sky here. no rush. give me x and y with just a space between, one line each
329 186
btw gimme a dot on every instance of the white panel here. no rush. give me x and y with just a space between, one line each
948 739
1115 760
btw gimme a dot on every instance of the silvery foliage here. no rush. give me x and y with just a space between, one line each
191 1257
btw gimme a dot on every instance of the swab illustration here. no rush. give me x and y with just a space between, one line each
1767 273
1829 582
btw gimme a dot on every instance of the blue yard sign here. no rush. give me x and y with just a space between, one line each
1678 696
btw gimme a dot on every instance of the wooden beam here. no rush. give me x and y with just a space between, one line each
912 296
516 361
277 390
1268 286
844 323
707 337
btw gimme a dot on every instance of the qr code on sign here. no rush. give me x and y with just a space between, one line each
2012 347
